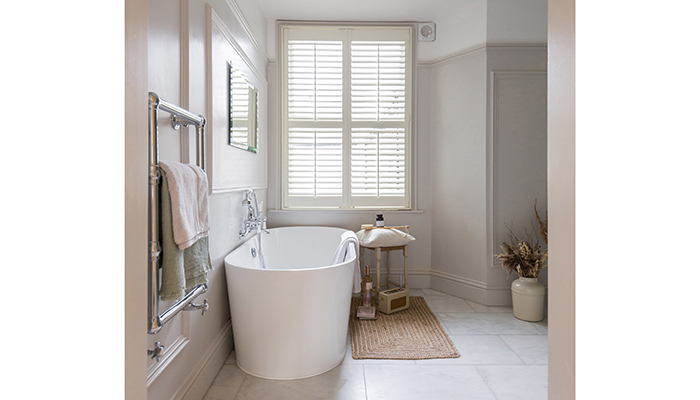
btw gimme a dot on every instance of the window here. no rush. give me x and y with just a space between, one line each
346 107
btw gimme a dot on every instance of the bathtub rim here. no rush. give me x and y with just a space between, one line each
228 264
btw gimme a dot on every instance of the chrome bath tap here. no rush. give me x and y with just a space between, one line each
254 220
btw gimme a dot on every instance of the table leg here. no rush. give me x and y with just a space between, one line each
405 266
378 255
388 270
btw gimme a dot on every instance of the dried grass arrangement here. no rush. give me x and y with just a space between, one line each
525 256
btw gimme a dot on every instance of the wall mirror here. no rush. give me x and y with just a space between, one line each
243 111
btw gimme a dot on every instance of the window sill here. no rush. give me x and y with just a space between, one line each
343 211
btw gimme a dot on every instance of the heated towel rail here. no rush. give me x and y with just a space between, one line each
180 117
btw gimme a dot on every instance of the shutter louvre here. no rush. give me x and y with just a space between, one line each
315 162
315 80
378 161
378 80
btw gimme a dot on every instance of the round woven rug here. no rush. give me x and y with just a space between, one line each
411 334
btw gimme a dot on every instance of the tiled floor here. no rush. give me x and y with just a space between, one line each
502 358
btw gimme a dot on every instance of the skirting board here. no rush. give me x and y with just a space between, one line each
470 290
201 377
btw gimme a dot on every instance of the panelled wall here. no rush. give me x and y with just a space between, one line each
189 45
489 152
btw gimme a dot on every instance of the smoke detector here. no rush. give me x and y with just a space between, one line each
426 31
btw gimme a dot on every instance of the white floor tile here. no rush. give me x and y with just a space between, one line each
516 382
422 382
443 324
447 303
502 358
489 309
541 326
478 349
345 382
433 292
532 349
486 324
226 384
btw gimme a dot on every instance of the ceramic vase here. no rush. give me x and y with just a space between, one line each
528 299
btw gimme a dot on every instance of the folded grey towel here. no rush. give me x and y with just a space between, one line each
180 269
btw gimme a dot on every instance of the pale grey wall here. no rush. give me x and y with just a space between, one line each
489 164
178 72
516 21
459 167
518 99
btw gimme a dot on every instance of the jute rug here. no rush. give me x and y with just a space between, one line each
412 334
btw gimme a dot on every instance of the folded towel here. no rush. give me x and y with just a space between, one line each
180 269
342 253
189 194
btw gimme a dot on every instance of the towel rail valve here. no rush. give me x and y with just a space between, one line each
156 351
192 307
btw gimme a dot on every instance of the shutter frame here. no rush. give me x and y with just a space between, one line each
391 134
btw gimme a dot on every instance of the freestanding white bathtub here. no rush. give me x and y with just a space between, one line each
290 319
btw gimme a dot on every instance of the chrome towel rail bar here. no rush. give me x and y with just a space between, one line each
180 117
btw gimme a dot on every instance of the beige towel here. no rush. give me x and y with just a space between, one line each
189 195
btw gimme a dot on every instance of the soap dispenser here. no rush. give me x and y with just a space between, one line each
380 220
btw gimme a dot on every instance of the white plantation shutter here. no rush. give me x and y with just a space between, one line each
378 162
315 162
315 80
378 81
346 126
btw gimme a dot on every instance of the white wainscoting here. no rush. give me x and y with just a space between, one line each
230 168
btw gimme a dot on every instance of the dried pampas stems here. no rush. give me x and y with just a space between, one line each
542 225
525 256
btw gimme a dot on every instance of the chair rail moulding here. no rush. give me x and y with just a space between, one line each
231 168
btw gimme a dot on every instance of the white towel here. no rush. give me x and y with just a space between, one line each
189 194
348 239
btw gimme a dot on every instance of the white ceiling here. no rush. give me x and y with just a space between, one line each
460 24
361 10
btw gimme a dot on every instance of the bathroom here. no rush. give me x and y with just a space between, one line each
485 54
75 84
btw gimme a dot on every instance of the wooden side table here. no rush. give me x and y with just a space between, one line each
378 255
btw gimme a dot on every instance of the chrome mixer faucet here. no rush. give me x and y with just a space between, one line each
254 220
